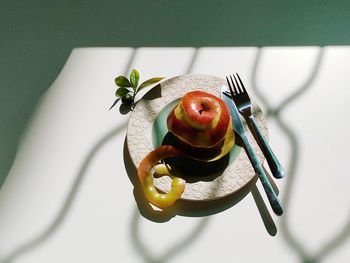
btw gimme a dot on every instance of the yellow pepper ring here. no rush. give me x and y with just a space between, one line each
146 177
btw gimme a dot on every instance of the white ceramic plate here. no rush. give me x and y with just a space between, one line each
204 181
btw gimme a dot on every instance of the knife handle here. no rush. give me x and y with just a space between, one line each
271 195
275 166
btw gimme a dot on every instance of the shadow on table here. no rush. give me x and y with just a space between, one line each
194 209
180 244
291 239
67 203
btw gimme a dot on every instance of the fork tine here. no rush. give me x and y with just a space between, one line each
230 84
236 91
242 85
238 86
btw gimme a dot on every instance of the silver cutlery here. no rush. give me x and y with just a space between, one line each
244 106
240 131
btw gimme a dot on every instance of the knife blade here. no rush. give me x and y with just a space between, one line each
238 127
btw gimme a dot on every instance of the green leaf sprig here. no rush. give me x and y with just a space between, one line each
128 88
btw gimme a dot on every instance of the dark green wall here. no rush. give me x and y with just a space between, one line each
36 38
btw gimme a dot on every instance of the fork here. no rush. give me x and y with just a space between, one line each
259 171
244 105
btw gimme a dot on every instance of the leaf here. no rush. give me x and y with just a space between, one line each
114 103
121 91
149 82
134 78
122 82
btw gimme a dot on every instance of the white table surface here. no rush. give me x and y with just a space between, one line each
68 197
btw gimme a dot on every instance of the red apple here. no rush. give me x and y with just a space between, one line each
201 120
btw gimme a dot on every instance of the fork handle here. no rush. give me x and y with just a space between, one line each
271 195
275 166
